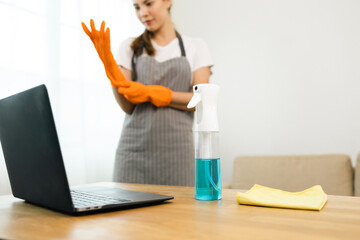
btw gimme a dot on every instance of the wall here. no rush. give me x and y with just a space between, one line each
45 44
288 71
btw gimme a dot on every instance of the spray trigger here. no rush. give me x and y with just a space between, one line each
194 100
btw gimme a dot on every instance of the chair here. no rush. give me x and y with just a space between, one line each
357 177
334 172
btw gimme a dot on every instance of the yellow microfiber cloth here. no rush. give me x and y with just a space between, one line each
312 198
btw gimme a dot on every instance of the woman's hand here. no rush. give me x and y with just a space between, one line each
137 92
101 41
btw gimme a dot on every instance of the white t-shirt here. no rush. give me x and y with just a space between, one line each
196 52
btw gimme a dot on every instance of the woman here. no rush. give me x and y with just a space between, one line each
156 144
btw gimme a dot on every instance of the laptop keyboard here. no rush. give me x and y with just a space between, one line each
85 199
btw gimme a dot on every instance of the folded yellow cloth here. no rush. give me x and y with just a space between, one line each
312 198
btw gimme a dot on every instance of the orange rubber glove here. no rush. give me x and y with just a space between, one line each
137 92
101 41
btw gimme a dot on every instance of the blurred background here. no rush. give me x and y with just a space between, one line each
42 41
288 71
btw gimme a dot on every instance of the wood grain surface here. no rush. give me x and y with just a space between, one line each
183 218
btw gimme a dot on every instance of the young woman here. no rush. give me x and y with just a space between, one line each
161 66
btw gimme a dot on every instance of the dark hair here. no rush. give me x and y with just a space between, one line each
143 39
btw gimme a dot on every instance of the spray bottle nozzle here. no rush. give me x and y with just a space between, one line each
196 97
205 101
194 100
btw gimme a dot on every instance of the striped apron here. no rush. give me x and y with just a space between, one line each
156 144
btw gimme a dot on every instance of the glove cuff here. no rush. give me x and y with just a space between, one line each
163 98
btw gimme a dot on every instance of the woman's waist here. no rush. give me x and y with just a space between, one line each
151 126
148 114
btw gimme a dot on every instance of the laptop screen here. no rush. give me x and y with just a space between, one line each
31 149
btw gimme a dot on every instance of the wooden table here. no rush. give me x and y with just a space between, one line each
183 218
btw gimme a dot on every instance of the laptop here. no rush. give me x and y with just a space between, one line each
35 165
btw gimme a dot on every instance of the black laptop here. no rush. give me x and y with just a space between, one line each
35 166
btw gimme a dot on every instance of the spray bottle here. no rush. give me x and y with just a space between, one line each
206 131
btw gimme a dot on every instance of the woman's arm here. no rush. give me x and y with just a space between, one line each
180 100
125 105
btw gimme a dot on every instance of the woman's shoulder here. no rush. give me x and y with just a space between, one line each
197 52
195 46
124 53
193 41
125 44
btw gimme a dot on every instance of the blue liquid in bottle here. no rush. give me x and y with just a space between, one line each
207 179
